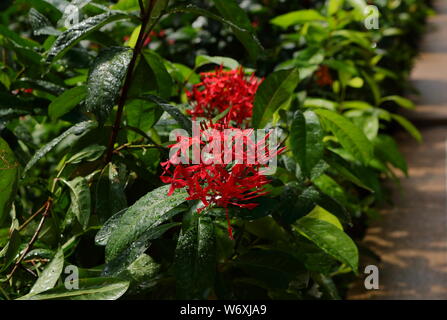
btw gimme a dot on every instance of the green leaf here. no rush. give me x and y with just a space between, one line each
80 31
386 149
9 253
273 93
90 153
273 268
80 199
174 112
350 136
230 10
126 5
306 140
77 129
401 101
195 257
103 235
224 61
302 203
162 76
234 17
105 79
330 239
141 114
297 17
320 103
89 289
109 193
327 285
131 253
148 212
322 214
334 6
407 125
17 39
66 102
9 174
48 278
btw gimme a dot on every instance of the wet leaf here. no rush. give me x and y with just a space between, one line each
105 79
76 33
148 212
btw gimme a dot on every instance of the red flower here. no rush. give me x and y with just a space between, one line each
213 181
323 76
221 90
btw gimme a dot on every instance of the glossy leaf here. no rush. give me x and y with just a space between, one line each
195 257
89 289
350 136
80 31
330 239
78 129
109 193
48 278
105 79
274 92
306 140
80 200
148 212
174 112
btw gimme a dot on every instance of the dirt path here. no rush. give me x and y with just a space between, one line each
411 238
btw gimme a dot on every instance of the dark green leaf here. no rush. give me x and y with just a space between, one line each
80 200
76 33
48 278
109 195
272 94
181 119
330 239
105 79
66 102
162 76
306 140
350 136
89 289
77 129
148 212
230 10
195 257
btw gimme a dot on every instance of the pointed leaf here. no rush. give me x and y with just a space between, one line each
148 212
105 79
306 139
195 257
273 92
330 239
350 136
76 33
89 289
77 129
50 274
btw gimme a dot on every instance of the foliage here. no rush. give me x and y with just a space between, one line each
85 116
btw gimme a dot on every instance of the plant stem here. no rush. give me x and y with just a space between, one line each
33 239
128 81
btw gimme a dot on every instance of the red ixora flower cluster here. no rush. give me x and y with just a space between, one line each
223 89
213 181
